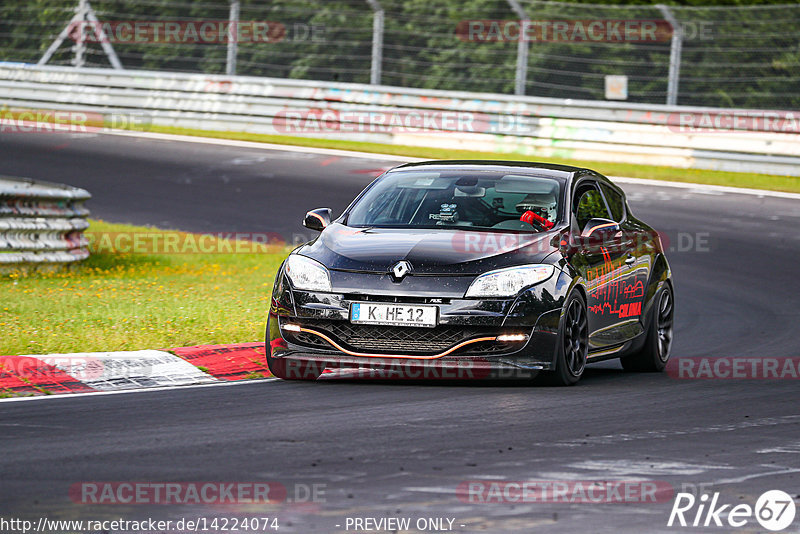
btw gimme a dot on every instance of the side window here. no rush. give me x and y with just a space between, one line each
615 202
590 205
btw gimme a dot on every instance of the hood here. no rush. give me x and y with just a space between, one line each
430 251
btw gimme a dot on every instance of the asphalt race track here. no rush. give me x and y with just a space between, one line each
401 449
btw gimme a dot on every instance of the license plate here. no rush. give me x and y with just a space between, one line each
393 314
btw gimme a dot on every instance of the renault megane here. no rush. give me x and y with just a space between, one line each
492 265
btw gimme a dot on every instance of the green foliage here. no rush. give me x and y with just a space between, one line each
736 53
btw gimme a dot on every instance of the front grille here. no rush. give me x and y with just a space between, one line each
399 339
376 338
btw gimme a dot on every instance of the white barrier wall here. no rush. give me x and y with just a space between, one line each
708 138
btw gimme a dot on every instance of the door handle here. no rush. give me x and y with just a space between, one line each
630 259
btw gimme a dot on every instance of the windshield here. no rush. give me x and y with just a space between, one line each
477 200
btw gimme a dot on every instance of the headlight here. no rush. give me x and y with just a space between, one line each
508 282
307 274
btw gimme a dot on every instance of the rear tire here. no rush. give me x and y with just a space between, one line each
572 346
655 353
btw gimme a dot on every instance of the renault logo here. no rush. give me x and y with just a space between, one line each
400 269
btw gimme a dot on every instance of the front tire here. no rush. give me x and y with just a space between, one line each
573 344
655 353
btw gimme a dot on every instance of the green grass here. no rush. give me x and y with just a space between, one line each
116 301
8 394
733 179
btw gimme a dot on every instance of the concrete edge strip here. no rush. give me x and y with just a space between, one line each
91 372
408 159
219 383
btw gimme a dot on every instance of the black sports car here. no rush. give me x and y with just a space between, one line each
494 267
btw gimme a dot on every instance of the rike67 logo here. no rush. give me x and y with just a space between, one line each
774 511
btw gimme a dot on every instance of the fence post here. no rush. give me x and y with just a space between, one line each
674 55
80 44
233 22
83 12
521 74
377 42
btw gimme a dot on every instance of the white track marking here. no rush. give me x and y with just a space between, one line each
626 468
738 480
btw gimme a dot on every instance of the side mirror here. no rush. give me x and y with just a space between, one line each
600 227
317 219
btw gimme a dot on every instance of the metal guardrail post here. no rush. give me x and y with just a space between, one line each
521 75
41 223
377 42
674 55
233 40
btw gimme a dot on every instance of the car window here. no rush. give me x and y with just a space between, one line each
615 202
590 205
457 199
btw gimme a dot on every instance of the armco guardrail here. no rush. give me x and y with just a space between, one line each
709 138
41 223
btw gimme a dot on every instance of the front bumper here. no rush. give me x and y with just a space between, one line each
464 341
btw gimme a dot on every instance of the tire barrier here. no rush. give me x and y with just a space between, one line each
41 223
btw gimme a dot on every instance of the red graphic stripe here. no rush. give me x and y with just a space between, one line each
26 374
228 362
